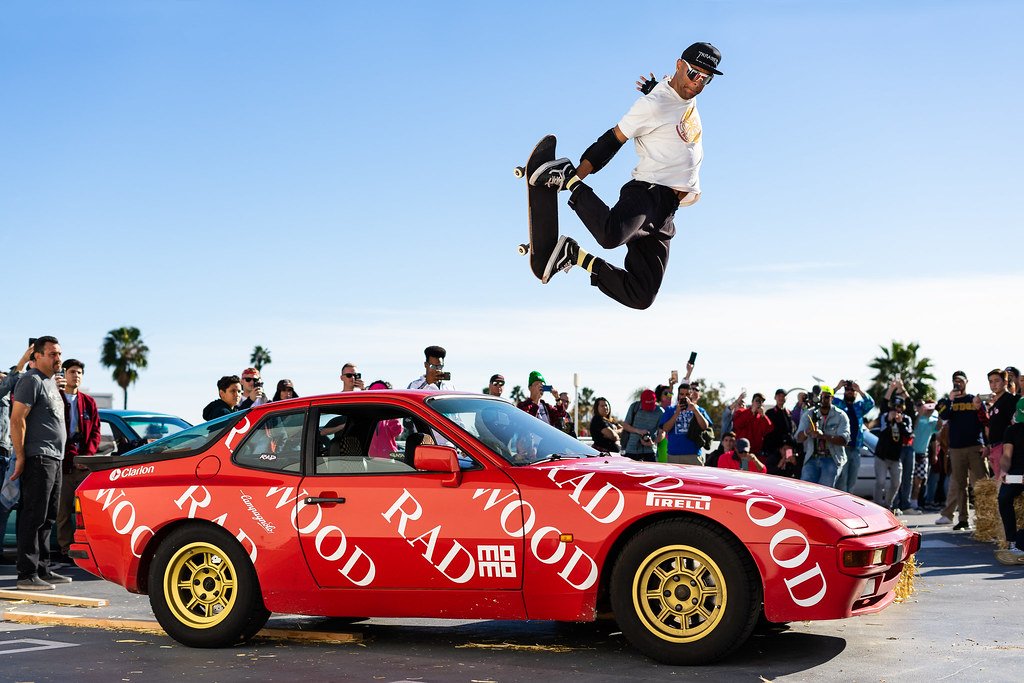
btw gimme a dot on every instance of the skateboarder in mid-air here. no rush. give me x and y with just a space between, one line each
666 130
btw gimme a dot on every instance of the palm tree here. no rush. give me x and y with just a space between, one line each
260 357
125 354
517 394
901 359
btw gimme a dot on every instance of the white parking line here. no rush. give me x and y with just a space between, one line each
32 645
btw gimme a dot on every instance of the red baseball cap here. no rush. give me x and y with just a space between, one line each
648 399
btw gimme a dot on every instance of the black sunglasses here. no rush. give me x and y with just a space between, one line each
248 379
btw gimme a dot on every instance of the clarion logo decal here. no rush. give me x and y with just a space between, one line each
686 501
131 472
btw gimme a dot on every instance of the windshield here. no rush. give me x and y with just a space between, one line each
508 432
189 440
153 427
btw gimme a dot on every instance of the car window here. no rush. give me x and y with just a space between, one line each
370 440
108 442
510 433
274 444
192 439
151 428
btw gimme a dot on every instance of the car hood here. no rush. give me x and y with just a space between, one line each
859 516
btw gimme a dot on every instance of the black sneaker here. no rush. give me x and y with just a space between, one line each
554 174
961 526
563 257
34 584
54 577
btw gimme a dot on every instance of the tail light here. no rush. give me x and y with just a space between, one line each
79 518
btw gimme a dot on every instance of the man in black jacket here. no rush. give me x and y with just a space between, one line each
895 429
967 464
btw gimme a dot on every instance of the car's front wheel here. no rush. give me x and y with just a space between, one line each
203 588
685 592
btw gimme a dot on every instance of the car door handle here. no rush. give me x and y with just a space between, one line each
315 500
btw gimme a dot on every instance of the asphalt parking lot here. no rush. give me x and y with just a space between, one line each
962 624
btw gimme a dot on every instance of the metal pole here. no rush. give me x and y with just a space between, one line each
576 401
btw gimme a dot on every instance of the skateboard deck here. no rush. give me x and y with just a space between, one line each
542 209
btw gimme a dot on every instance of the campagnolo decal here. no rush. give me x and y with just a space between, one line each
126 472
497 561
766 512
685 501
579 570
256 516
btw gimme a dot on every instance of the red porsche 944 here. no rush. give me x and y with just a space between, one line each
412 504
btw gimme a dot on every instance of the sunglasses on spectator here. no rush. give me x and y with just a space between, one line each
697 76
354 375
248 379
499 384
440 366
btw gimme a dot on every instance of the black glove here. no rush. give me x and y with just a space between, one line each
648 85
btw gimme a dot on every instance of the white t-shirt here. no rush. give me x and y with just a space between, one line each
421 384
666 131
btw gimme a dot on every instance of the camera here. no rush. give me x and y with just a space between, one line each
257 383
813 399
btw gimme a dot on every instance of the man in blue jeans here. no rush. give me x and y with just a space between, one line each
824 432
855 411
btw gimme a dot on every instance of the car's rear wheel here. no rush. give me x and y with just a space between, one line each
203 588
685 592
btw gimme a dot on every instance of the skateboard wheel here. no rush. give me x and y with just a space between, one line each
519 172
524 249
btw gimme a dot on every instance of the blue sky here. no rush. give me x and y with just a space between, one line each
334 182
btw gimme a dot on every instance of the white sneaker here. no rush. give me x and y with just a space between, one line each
1010 556
897 512
912 511
943 520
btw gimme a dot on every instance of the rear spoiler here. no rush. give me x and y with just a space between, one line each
99 463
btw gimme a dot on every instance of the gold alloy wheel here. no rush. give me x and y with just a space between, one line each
200 585
679 593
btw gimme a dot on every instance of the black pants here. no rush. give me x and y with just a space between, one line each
40 493
642 220
1007 494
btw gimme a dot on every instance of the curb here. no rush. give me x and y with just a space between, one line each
143 626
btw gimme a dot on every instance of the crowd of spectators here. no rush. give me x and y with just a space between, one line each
927 455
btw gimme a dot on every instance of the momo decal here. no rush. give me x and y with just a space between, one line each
496 561
126 472
579 569
685 501
806 585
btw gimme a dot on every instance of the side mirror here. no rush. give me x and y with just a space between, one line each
430 458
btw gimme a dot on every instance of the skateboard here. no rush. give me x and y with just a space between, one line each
542 208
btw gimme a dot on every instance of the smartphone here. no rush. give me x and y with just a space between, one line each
1014 478
60 373
445 376
31 341
675 377
693 358
545 387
